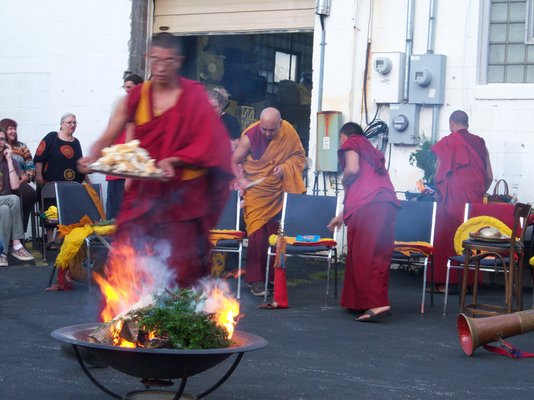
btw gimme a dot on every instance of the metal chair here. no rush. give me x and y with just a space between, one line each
416 222
230 220
510 257
304 214
503 212
73 202
46 198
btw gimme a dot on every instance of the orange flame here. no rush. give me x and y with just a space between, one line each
222 304
124 284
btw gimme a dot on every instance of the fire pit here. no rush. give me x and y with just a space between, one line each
155 365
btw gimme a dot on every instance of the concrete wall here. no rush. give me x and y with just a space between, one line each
62 56
500 113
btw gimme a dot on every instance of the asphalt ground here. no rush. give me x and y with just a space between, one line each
313 353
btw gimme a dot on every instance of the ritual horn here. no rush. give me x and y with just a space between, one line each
475 332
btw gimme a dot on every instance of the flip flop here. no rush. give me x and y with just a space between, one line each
373 316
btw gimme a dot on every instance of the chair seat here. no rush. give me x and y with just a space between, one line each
397 256
306 249
486 262
227 243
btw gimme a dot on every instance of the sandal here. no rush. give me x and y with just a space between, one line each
52 246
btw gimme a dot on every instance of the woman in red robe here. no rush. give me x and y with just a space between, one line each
370 210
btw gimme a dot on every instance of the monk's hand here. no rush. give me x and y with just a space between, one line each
336 222
167 165
242 183
278 172
84 163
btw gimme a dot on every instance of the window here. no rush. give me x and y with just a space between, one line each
510 56
285 66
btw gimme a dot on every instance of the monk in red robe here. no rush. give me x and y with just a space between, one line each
175 123
271 153
463 175
370 211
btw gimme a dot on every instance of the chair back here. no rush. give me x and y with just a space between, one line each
48 191
229 218
521 213
305 214
502 211
416 221
73 202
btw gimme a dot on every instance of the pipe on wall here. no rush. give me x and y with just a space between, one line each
410 16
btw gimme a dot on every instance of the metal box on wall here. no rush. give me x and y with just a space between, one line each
328 125
427 79
387 77
404 123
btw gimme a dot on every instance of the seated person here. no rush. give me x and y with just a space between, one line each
22 155
10 213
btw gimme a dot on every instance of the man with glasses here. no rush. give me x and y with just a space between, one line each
175 123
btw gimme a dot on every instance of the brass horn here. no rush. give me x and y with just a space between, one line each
475 332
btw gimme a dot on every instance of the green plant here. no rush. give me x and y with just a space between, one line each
424 158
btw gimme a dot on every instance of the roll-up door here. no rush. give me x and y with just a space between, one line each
233 16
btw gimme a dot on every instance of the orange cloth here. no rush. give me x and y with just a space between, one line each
292 241
407 248
96 199
225 234
264 201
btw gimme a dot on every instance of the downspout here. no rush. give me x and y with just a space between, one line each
409 47
430 50
321 65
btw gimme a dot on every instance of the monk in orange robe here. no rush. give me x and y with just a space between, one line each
175 123
273 160
463 175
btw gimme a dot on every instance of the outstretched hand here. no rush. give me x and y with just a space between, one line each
336 222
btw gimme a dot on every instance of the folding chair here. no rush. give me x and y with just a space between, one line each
503 212
48 196
416 222
304 214
73 202
229 221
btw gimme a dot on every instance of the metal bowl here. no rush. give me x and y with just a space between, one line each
156 363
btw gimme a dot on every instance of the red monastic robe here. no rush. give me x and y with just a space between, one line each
370 210
180 211
460 179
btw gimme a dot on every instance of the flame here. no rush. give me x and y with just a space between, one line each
221 303
125 284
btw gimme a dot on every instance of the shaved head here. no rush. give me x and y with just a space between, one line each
270 122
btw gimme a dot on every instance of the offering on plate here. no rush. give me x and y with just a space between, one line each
127 159
489 232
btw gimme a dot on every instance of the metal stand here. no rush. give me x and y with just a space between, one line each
177 395
316 188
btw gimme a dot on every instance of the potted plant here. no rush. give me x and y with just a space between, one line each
424 158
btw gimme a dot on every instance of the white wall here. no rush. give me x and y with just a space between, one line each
61 56
501 114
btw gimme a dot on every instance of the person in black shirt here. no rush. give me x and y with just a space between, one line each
219 101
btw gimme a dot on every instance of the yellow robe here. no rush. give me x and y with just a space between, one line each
264 201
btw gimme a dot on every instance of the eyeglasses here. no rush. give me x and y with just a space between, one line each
71 122
166 62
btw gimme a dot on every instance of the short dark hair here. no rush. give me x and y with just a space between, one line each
459 117
136 79
351 129
7 122
167 40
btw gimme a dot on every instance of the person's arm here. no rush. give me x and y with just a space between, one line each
238 156
352 168
116 124
39 180
336 222
489 171
14 179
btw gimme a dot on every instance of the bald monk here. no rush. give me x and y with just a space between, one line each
463 175
269 149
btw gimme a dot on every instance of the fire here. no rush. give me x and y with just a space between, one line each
125 284
132 280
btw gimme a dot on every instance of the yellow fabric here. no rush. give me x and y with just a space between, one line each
474 225
531 261
224 234
96 200
51 212
74 236
143 115
264 201
409 248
